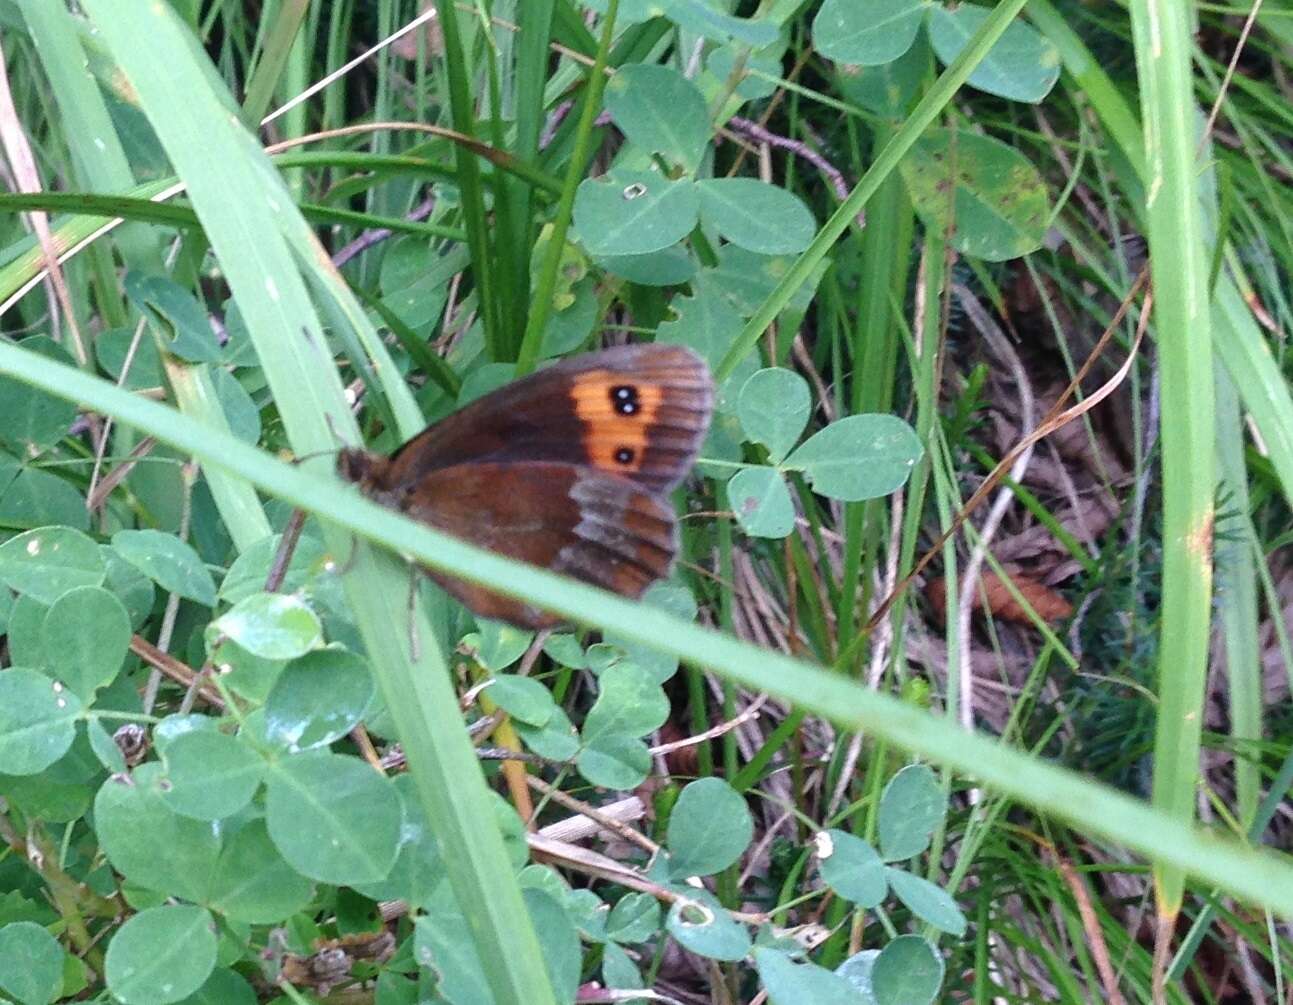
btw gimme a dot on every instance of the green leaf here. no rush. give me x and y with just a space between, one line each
111 348
249 571
47 562
755 215
394 989
985 196
669 267
86 637
571 326
790 983
745 280
176 315
675 598
556 739
706 323
857 971
703 18
318 698
912 805
700 924
46 798
908 971
273 626
1021 66
851 867
210 775
660 110
38 498
223 987
761 501
418 867
37 721
588 912
246 674
858 457
168 562
614 761
27 632
105 747
629 702
334 818
721 62
523 698
929 902
559 941
252 882
161 955
634 918
443 943
413 286
239 410
173 727
498 645
886 90
709 828
868 34
566 650
619 972
774 407
31 963
34 419
148 842
634 212
135 590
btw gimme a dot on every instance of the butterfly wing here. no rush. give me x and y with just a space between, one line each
599 528
638 411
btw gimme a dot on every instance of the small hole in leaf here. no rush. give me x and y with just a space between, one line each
634 191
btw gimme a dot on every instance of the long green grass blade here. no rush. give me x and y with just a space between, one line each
1260 877
462 113
1183 315
541 308
262 244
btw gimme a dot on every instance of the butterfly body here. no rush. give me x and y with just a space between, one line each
567 468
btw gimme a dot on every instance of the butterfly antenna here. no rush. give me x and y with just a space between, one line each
330 451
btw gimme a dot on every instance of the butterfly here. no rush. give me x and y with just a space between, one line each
568 468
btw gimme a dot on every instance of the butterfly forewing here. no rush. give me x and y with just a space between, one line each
639 411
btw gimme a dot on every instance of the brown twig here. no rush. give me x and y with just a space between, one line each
179 672
617 827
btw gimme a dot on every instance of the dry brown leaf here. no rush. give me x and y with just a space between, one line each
1050 605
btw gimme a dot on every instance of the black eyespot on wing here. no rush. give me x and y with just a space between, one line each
625 455
624 399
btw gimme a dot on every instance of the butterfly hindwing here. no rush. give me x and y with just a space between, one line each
602 529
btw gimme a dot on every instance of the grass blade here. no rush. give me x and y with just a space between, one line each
1260 877
261 241
1179 269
